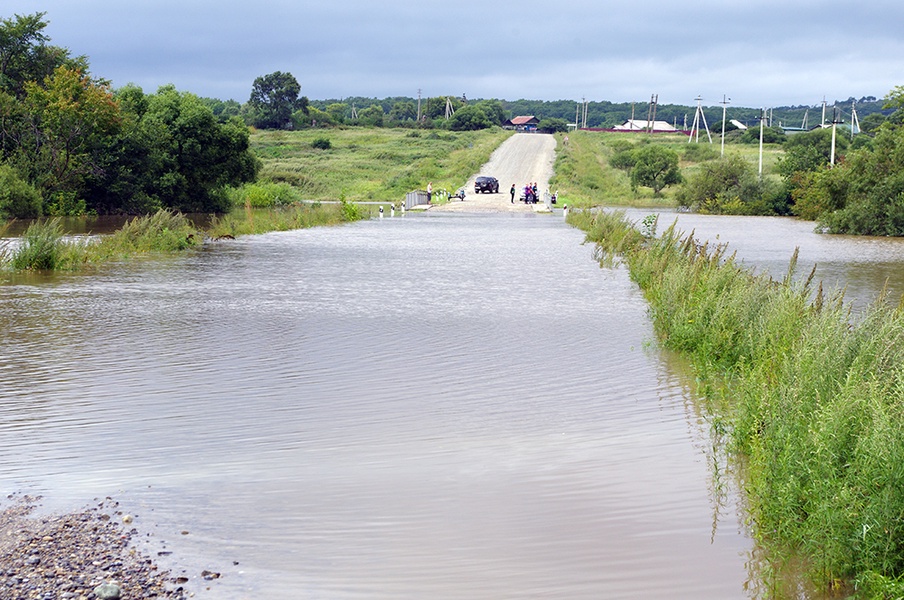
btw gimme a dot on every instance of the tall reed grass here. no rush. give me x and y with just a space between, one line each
816 400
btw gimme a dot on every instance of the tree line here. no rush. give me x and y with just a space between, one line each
71 145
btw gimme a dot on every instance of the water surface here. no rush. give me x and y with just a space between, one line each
436 406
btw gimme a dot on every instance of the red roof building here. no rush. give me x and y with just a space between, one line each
523 123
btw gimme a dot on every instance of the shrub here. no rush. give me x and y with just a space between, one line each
699 153
18 198
321 143
726 186
264 195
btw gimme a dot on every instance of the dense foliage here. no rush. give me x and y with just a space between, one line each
68 140
863 191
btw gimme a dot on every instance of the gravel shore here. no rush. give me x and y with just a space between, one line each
83 555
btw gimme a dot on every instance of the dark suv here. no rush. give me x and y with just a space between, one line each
486 184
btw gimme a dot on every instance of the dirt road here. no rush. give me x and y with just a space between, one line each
523 158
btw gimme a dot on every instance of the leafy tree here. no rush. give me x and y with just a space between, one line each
493 110
469 118
809 151
623 160
67 116
18 199
371 116
173 153
655 167
871 188
435 108
274 98
25 55
337 111
553 125
403 111
771 135
871 122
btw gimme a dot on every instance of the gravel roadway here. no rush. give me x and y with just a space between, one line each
523 158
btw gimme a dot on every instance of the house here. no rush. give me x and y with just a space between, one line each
523 123
644 125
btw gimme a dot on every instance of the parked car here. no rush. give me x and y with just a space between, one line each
486 184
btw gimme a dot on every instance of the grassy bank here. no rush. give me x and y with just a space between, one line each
815 402
44 246
583 172
372 164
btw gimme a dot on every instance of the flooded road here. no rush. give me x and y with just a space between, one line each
433 406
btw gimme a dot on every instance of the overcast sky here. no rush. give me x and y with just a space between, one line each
760 54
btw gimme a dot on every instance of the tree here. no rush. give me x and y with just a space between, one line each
173 154
655 167
403 111
624 160
371 116
25 55
553 125
469 118
809 151
494 111
274 98
67 116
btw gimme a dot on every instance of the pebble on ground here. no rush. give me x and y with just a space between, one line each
83 555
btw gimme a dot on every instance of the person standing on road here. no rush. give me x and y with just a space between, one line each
512 192
429 192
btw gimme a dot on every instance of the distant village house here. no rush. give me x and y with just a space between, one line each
523 123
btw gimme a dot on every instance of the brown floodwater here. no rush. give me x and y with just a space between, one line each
428 406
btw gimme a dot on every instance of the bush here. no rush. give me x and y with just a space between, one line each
18 198
264 195
321 143
726 186
699 153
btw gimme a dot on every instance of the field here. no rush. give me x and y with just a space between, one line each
584 174
363 165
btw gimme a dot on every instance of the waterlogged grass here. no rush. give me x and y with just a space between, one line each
297 216
373 164
586 179
44 247
816 401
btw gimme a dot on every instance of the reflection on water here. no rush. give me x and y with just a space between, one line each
440 406
857 265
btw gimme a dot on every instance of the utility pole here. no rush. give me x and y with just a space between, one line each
419 106
696 126
762 118
823 124
725 102
655 106
855 122
835 122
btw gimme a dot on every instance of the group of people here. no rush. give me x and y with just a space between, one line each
530 193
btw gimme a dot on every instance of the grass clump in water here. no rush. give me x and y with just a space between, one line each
815 396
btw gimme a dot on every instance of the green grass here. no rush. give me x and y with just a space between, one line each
43 247
373 164
583 174
815 401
